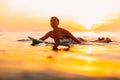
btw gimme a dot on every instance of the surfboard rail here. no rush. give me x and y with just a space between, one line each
36 41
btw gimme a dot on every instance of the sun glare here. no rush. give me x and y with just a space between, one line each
88 23
95 13
89 49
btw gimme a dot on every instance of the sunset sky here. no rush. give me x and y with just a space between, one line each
75 15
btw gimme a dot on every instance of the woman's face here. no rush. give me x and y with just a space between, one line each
54 22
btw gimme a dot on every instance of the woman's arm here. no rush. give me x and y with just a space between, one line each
70 35
45 36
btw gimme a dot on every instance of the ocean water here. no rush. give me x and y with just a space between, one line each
88 61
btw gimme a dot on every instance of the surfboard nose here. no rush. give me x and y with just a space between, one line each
34 41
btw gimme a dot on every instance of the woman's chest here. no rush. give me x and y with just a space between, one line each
58 34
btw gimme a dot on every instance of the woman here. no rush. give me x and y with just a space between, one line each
59 34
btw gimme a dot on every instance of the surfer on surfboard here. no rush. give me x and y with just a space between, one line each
59 34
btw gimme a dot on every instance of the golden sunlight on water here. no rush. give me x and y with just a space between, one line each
86 60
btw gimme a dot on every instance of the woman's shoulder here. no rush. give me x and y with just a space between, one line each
63 29
50 32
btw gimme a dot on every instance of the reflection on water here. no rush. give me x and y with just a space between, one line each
20 61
